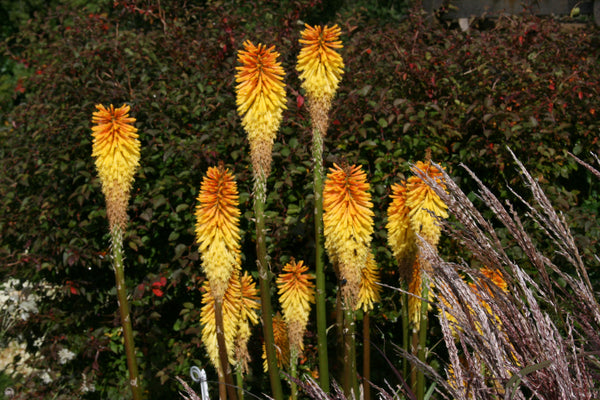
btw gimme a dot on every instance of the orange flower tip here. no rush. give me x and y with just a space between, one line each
115 147
320 65
260 90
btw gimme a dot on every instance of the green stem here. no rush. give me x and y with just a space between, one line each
117 257
350 381
317 152
260 196
294 371
240 382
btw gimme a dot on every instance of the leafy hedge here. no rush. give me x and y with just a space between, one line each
528 83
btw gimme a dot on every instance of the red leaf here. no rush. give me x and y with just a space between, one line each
300 101
157 292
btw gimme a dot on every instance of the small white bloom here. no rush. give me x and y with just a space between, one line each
45 377
65 355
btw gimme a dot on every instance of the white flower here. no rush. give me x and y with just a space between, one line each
45 377
65 355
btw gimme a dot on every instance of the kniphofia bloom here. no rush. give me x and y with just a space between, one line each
401 237
296 293
282 343
369 289
260 100
348 225
248 306
321 68
424 204
217 228
116 149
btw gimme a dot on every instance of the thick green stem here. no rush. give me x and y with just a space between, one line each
294 371
240 382
117 258
226 387
264 274
350 381
366 356
317 152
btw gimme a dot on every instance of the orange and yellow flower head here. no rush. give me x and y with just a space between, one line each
296 293
401 238
116 149
321 68
217 228
348 225
424 204
282 344
231 306
369 290
248 315
260 99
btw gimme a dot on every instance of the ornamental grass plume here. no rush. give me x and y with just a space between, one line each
348 226
260 100
217 228
321 68
116 149
296 293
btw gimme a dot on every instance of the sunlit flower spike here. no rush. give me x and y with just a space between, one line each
248 315
260 99
217 228
369 289
321 68
296 293
348 225
116 149
424 204
320 65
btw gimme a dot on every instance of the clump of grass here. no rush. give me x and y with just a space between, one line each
537 339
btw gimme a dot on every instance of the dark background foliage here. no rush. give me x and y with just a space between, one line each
411 84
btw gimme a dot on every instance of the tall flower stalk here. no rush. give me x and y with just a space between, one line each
414 211
116 149
321 69
218 237
296 293
348 229
260 102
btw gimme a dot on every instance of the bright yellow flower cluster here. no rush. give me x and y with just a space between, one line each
282 343
320 65
424 204
239 306
217 228
415 209
369 290
296 293
117 151
348 225
260 99
248 306
231 306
